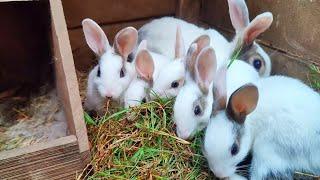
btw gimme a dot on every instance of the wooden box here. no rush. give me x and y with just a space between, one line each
62 158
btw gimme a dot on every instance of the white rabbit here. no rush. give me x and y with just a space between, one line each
157 75
277 119
193 105
247 32
113 74
160 35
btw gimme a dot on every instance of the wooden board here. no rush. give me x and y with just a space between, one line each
84 57
64 157
295 30
58 159
66 78
189 10
111 11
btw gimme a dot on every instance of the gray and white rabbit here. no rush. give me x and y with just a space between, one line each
193 105
156 74
277 119
160 35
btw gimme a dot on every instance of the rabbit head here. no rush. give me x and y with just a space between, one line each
227 138
247 32
114 72
171 75
192 107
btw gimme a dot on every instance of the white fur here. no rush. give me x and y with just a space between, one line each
109 84
282 132
166 71
187 122
160 34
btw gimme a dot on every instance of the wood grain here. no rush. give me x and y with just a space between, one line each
111 11
189 10
295 29
58 159
66 77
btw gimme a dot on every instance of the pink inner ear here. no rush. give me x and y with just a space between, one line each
260 24
206 67
220 83
202 42
125 41
95 37
245 99
144 65
239 14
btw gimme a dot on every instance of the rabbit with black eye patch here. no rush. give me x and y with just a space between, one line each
157 75
160 35
193 105
277 119
111 77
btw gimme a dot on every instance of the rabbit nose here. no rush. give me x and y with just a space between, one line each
182 134
109 97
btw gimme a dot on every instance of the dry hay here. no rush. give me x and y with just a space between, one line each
140 143
25 121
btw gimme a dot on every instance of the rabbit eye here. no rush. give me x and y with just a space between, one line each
175 84
121 73
197 110
257 63
144 100
234 149
99 72
130 57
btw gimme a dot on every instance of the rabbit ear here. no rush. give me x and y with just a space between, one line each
144 65
257 26
202 42
220 88
125 41
239 14
242 102
194 50
95 37
179 46
205 68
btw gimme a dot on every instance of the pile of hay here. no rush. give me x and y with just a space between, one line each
140 143
28 120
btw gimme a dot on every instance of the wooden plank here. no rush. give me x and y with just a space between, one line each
66 77
58 158
188 10
111 11
83 56
296 27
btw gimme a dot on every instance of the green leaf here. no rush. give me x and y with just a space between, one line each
88 119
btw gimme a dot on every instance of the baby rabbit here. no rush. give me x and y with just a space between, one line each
277 119
159 33
247 32
193 105
112 75
157 75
